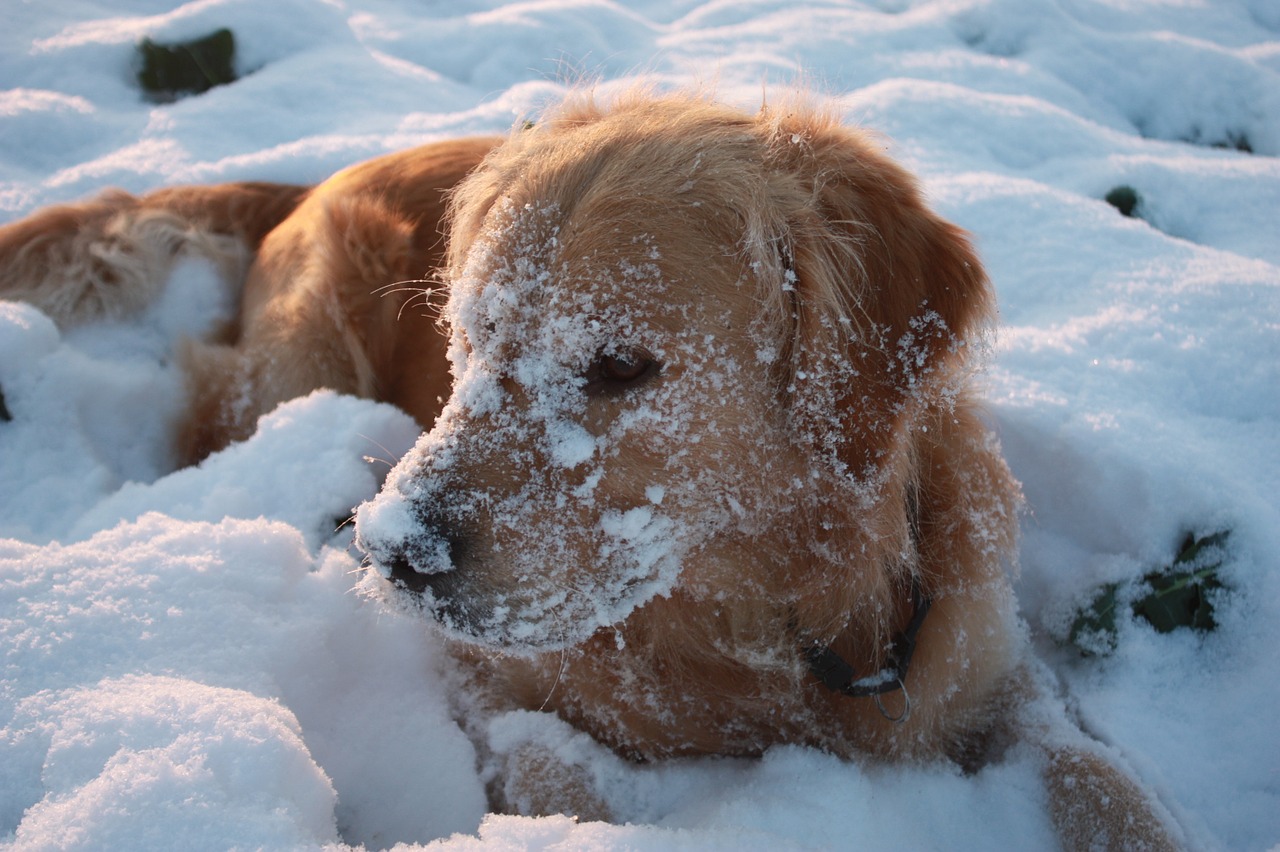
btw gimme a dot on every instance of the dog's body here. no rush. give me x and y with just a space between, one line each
709 453
319 268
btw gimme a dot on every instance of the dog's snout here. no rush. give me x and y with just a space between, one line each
427 563
401 572
432 568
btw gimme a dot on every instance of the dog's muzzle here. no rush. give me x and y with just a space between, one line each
405 544
405 573
420 554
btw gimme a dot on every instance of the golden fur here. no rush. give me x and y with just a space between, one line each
710 408
319 268
782 188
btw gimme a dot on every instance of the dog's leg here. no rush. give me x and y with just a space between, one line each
534 780
535 764
108 257
1096 805
1094 801
315 317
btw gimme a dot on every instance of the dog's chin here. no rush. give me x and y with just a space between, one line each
521 622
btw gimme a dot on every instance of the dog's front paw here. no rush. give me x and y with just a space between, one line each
537 782
539 765
1095 805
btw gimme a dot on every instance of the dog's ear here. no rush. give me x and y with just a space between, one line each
881 298
469 204
365 249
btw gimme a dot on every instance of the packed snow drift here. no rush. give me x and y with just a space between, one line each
183 662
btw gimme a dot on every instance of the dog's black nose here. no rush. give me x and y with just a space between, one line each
432 573
403 574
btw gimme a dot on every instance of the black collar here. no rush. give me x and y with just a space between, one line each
838 676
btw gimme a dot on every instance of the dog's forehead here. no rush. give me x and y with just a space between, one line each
538 269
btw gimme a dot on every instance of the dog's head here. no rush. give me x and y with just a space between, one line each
691 351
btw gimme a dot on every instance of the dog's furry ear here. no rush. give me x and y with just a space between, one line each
367 251
880 298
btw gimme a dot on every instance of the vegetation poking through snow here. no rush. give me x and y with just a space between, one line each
1173 596
172 71
1126 200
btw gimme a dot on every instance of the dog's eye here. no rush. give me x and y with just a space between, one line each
616 373
628 369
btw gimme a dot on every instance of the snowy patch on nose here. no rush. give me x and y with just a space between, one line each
391 532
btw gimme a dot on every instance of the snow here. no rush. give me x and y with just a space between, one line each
183 661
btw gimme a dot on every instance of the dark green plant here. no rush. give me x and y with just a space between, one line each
1236 142
170 71
1125 199
1173 596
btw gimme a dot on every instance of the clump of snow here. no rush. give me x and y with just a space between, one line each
165 663
188 751
200 670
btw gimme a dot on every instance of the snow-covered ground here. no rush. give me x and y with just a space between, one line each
182 661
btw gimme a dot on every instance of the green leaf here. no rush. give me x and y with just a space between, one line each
1094 630
1176 595
1179 598
1193 549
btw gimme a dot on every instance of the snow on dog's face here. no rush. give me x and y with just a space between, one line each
603 420
671 376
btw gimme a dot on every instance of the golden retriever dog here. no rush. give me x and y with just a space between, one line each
321 274
710 476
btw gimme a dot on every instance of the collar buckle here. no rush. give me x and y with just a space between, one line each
838 676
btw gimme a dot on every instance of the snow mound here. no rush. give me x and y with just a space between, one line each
182 659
